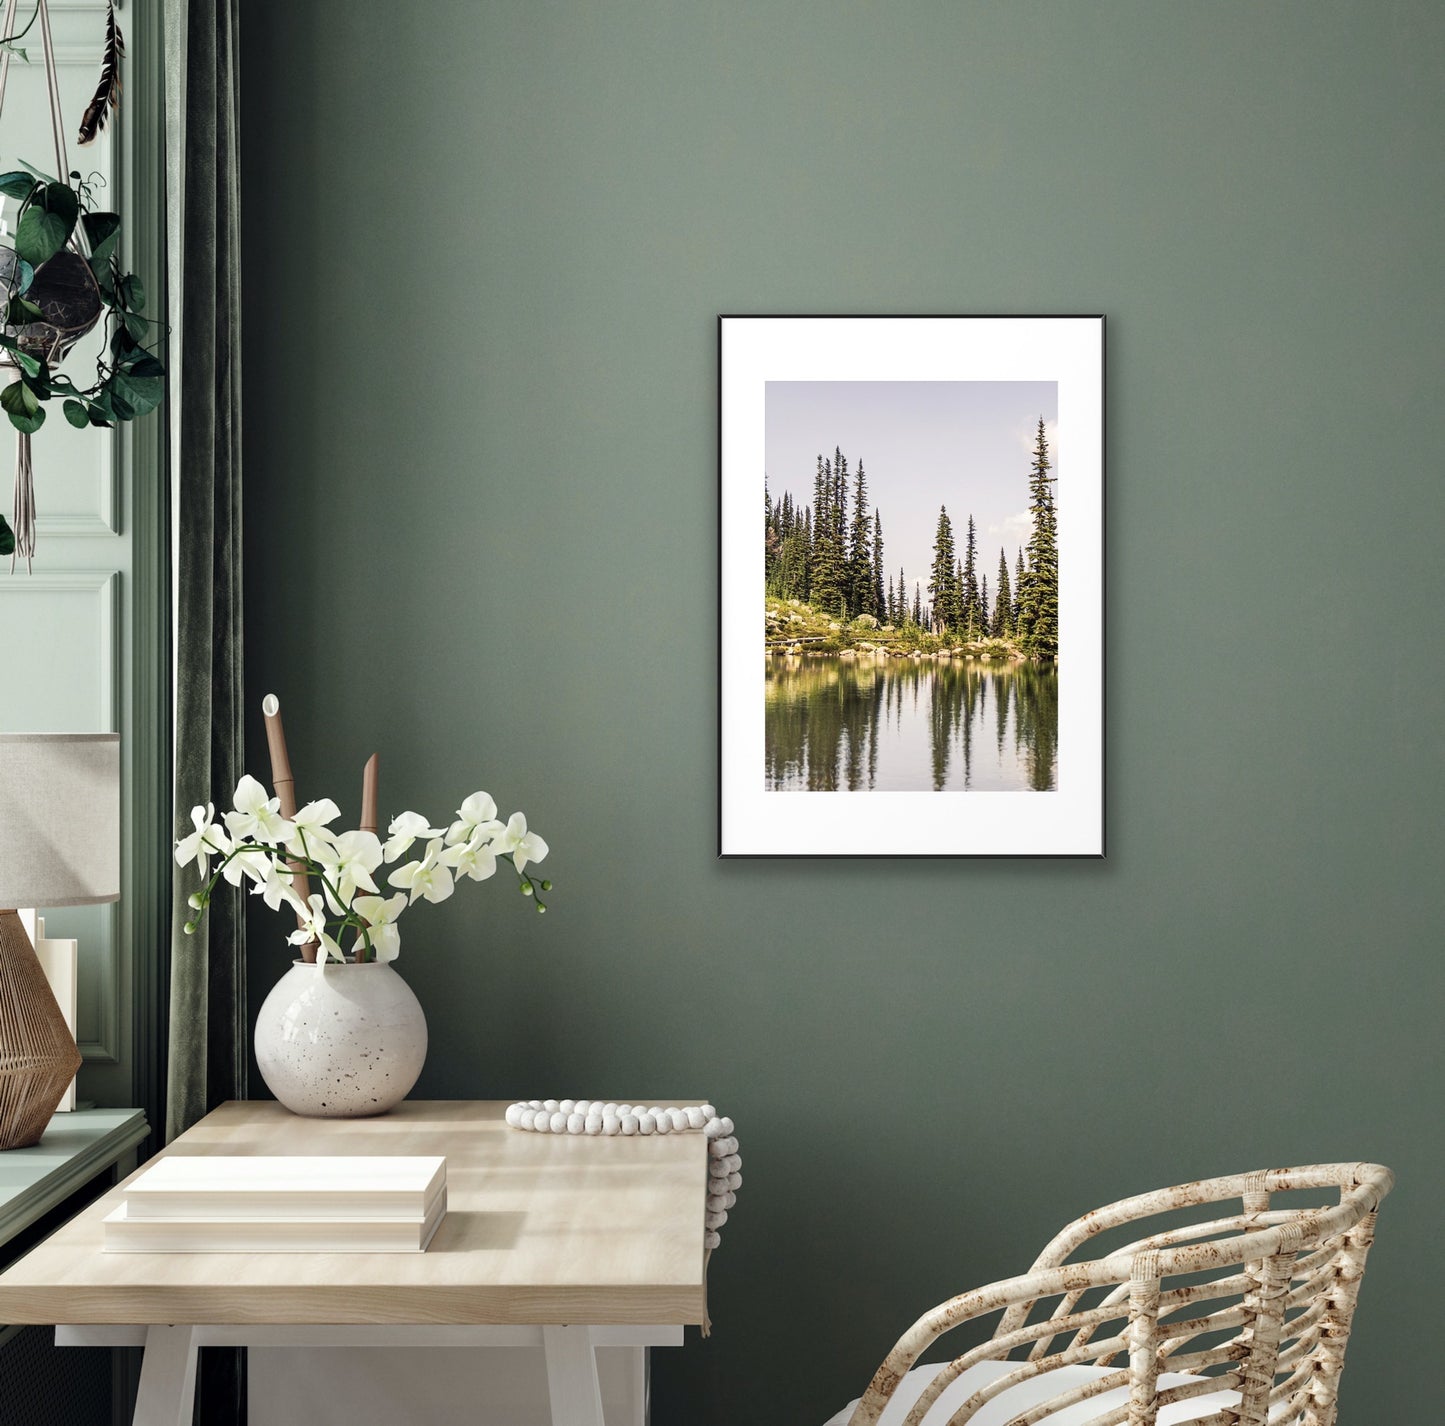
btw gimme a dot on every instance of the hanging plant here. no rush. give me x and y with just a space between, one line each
59 278
53 296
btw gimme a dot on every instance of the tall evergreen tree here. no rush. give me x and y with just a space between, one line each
880 599
1020 578
827 583
1041 594
1003 614
969 611
942 583
917 605
983 625
860 550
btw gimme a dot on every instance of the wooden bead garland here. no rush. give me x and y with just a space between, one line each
592 1116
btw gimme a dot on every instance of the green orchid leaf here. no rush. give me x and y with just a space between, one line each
133 293
7 538
76 414
102 231
139 393
16 184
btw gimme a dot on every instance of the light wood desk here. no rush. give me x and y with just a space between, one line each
562 1242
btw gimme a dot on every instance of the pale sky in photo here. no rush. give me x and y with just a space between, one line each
964 444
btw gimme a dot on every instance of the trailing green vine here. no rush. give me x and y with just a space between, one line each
130 376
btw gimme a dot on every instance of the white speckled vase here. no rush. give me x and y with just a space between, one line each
340 1041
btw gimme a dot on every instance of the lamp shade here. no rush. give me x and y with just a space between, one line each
59 819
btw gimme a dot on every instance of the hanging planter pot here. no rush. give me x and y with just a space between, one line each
59 278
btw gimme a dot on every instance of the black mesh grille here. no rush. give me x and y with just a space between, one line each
45 1385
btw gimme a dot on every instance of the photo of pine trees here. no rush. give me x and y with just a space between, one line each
911 599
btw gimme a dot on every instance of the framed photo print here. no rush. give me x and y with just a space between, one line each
912 606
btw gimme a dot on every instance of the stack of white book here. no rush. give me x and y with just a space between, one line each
223 1203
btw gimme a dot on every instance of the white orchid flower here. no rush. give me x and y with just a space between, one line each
349 861
313 928
427 878
380 914
253 862
404 830
524 846
475 859
257 818
279 889
476 817
311 829
204 843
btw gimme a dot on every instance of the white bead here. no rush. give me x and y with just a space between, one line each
566 1106
711 1240
609 1108
623 1110
629 1123
524 1119
678 1119
611 1124
592 1124
558 1123
713 1128
735 1180
646 1123
727 1125
514 1113
656 1110
663 1122
534 1104
575 1122
708 1112
696 1119
582 1107
716 1220
550 1105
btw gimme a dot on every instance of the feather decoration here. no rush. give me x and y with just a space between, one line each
107 92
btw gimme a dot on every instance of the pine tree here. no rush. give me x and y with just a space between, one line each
942 583
970 612
901 614
983 626
860 550
1003 614
917 605
1020 611
826 569
1042 588
880 599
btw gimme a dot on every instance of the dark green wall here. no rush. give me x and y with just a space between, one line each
486 246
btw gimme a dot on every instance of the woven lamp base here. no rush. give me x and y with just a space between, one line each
38 1056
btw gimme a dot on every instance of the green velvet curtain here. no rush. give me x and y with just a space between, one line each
208 1023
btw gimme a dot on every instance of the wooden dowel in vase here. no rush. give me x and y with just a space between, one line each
285 787
369 775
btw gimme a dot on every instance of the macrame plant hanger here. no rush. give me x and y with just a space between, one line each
24 518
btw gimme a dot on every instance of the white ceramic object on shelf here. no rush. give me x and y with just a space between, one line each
340 1041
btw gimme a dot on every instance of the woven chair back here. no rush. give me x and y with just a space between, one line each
1238 1290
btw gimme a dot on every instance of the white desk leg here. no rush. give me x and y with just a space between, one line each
572 1376
167 1395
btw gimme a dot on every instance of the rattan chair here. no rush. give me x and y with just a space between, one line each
1236 1319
